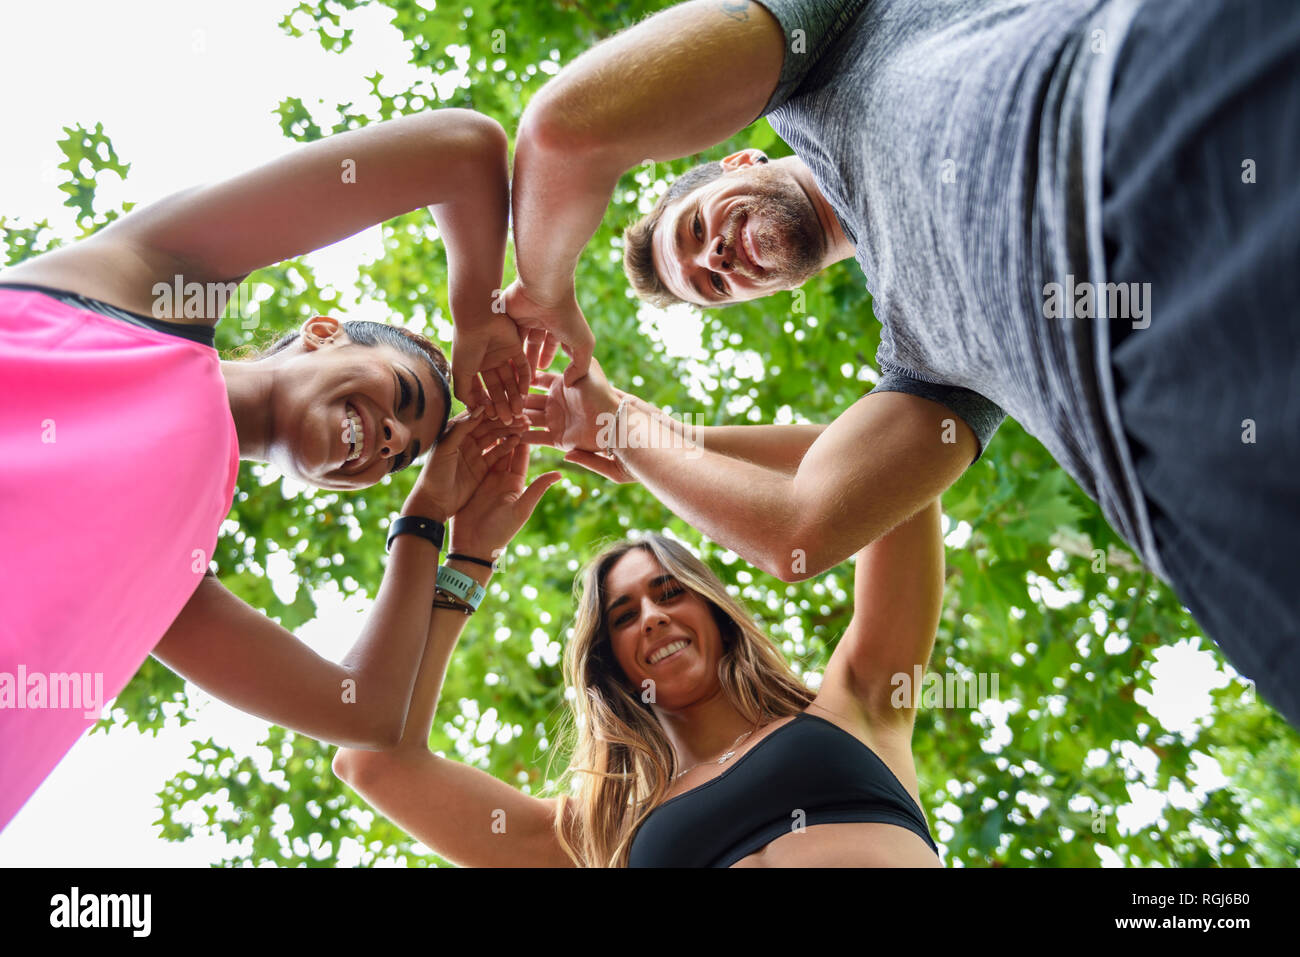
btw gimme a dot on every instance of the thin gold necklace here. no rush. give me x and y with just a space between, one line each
721 760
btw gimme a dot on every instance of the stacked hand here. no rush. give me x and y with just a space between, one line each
507 346
477 474
490 346
561 324
477 471
460 461
571 417
500 505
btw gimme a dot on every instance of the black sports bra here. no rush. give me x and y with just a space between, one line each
203 335
809 771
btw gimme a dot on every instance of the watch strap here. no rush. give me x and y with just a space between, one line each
426 528
461 586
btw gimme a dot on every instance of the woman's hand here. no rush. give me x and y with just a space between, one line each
499 506
468 449
490 345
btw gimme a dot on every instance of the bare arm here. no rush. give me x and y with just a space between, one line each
778 447
569 417
897 601
464 814
617 105
311 197
486 341
621 103
791 509
870 470
239 655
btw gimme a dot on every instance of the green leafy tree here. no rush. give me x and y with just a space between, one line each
1036 779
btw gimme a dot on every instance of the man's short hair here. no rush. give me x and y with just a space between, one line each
638 258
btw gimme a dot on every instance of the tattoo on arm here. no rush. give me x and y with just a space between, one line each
736 9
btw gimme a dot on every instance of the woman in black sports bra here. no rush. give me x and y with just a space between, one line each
694 743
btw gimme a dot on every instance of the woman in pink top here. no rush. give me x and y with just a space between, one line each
123 433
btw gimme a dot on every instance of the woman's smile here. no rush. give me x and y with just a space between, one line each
357 437
670 650
354 432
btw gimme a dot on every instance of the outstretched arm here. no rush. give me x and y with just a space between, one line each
311 197
237 654
791 509
897 602
870 470
570 417
617 105
874 674
462 813
485 340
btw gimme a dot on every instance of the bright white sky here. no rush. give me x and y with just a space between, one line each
186 90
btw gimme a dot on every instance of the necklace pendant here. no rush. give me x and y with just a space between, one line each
723 759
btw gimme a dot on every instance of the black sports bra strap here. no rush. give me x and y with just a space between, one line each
203 335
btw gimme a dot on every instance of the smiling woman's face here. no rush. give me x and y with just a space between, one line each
661 631
751 232
347 414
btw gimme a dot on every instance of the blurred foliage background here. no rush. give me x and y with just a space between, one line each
1040 590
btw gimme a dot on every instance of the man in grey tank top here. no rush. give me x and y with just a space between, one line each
1056 208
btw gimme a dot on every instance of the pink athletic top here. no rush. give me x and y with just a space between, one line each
118 461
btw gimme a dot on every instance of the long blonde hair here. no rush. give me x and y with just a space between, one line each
617 744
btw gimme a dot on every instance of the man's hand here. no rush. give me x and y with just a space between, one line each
540 346
562 320
604 465
570 417
490 345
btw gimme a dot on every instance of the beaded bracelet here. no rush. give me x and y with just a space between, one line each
451 604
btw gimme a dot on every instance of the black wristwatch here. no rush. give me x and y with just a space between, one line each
426 528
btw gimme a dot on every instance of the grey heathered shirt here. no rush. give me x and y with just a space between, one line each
959 142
